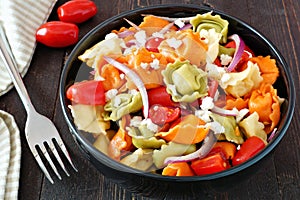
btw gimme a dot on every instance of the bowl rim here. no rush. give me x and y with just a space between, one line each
118 166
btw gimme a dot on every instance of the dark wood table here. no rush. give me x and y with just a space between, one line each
278 177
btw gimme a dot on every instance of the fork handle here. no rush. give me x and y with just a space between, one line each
11 66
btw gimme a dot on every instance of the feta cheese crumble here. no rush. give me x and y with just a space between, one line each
158 35
172 42
225 59
140 37
150 125
135 121
155 64
110 94
179 23
207 103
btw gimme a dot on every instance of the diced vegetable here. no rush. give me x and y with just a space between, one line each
252 146
87 92
210 164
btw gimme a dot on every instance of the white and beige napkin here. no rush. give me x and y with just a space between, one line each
21 18
10 157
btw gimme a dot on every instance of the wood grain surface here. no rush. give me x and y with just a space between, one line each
277 178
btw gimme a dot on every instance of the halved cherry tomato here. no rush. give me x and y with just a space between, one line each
249 148
210 164
161 115
153 43
160 96
77 11
57 34
87 92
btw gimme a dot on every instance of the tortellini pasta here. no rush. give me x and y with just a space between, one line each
93 56
252 127
144 138
212 37
121 105
239 84
232 132
171 149
185 82
88 118
140 159
208 21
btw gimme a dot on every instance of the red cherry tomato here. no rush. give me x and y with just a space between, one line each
153 43
160 96
57 34
87 92
161 115
212 163
77 11
248 149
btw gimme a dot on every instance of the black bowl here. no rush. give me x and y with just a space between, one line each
150 184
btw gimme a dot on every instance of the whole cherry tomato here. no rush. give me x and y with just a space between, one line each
248 149
161 115
153 43
57 34
87 92
77 11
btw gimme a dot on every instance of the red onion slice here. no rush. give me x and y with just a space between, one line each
166 28
186 27
133 24
240 46
207 145
135 79
272 135
125 33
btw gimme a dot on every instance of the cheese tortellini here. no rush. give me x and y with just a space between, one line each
239 84
185 82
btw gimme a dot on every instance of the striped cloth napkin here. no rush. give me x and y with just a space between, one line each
20 20
10 157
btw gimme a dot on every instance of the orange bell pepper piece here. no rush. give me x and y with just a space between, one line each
188 131
112 79
152 24
152 78
121 141
265 102
178 169
228 148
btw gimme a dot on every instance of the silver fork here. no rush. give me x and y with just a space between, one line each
39 130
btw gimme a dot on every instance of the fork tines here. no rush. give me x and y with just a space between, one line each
52 148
